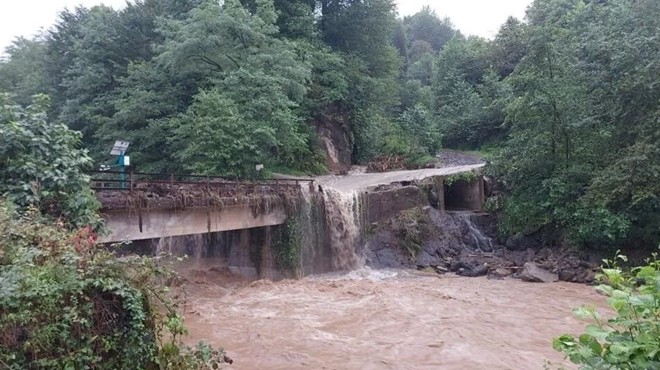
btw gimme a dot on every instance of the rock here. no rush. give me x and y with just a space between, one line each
501 272
440 269
472 271
427 257
587 264
455 265
533 273
586 277
480 270
514 243
544 254
566 275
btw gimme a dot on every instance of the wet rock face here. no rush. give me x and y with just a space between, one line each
534 274
520 242
335 140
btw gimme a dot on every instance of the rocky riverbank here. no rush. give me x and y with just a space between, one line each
466 244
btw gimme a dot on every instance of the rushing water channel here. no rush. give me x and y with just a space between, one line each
369 319
382 320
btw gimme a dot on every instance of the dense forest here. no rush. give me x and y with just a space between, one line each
565 103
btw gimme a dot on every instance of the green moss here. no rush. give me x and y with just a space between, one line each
287 246
467 176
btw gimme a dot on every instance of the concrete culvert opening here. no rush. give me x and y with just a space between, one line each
462 195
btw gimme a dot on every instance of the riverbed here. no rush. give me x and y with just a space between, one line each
383 319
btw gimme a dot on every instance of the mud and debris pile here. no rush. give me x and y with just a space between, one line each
181 196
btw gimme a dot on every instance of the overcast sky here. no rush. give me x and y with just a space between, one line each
476 17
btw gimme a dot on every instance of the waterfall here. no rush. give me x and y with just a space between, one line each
481 242
193 246
343 218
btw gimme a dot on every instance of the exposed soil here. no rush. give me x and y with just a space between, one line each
450 158
335 139
446 158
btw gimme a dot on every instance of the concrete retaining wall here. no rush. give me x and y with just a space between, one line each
387 201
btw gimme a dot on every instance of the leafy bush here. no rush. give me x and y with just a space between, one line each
41 163
630 340
65 303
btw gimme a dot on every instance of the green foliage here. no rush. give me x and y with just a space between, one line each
23 71
466 176
629 340
288 244
42 165
422 131
427 27
578 157
247 117
375 135
468 95
412 227
67 303
509 46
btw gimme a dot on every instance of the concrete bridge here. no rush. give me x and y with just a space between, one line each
140 206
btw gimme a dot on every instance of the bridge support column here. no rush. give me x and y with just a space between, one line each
240 259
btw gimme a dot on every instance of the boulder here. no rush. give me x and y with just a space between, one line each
472 270
533 273
502 272
499 273
514 243
567 275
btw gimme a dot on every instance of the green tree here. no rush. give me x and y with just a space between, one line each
423 132
468 97
583 112
41 163
509 46
259 81
426 26
22 71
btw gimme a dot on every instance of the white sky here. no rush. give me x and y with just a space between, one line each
477 17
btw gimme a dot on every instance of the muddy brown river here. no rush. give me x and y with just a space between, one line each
384 320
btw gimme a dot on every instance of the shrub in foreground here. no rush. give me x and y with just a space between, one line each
66 303
631 339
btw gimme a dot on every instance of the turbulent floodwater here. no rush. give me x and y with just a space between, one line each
382 320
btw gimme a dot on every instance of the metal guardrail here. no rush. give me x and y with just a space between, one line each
130 181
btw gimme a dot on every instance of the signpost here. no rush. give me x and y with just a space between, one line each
119 150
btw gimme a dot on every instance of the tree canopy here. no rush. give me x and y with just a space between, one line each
566 99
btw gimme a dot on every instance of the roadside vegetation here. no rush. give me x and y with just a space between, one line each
66 302
629 340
